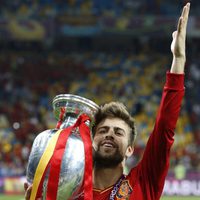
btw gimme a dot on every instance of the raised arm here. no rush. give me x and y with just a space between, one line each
154 165
178 42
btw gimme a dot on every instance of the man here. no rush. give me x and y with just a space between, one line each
114 134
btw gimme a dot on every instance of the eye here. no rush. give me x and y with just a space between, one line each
102 131
119 133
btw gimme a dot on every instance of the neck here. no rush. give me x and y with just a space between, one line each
104 178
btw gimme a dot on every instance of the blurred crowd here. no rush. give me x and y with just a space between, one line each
53 8
32 74
30 79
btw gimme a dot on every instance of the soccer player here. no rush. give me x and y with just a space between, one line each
114 134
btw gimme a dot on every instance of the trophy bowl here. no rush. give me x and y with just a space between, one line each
73 161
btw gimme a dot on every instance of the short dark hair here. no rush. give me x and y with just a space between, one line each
115 110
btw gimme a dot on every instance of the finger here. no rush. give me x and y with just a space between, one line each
179 26
174 34
185 14
182 23
186 11
25 186
28 193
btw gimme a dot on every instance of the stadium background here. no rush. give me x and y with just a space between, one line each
102 50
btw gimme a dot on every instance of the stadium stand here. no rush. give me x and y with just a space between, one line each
32 74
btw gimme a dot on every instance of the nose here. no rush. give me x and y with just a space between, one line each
110 134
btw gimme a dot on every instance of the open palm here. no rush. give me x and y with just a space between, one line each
179 36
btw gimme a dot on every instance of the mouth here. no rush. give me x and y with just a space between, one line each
108 144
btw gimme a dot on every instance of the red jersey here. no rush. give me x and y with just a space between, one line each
146 180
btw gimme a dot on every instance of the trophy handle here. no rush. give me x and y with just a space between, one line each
67 108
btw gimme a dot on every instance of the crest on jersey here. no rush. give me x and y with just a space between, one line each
124 191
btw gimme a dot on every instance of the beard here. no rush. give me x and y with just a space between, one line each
106 161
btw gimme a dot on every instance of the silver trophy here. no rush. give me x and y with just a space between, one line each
72 167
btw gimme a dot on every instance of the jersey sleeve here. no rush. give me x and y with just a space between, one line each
154 165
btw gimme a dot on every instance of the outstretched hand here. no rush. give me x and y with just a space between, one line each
178 42
179 36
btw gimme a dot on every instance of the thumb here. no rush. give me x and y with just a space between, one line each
27 191
174 34
26 186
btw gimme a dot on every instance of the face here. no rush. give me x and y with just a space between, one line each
111 143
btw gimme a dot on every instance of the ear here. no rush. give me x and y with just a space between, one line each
129 151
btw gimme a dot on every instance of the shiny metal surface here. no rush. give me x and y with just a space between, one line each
72 168
75 105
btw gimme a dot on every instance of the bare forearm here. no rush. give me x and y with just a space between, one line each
178 65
